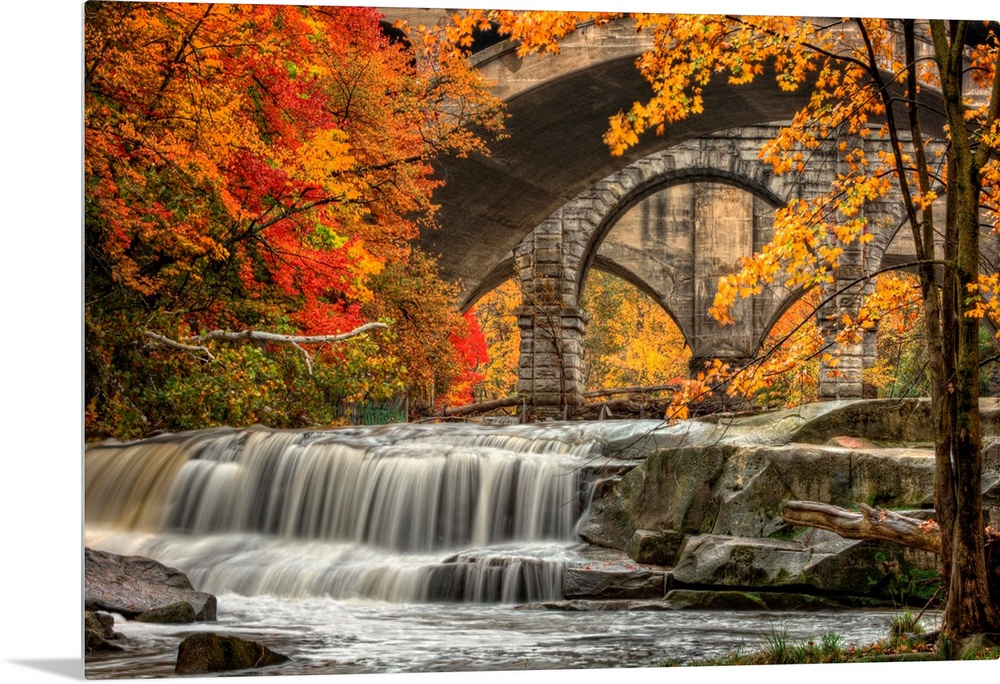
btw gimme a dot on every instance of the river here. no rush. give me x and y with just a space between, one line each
395 549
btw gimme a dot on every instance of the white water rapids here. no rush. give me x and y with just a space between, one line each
390 549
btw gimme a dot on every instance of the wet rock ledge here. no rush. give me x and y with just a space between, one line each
139 588
702 510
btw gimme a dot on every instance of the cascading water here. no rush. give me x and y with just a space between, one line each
400 548
398 513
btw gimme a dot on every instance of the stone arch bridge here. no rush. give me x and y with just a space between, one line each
672 215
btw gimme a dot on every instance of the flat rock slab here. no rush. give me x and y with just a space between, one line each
132 585
878 571
580 606
608 574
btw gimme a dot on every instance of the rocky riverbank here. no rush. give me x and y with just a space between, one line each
145 590
687 517
702 509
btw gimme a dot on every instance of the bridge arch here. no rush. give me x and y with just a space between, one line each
662 181
638 282
559 106
553 261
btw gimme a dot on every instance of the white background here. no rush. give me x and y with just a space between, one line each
41 361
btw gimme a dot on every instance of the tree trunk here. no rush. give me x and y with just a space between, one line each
969 609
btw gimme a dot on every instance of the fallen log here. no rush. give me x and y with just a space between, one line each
866 523
649 389
625 407
481 407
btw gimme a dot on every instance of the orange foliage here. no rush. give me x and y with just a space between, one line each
287 145
631 341
496 317
786 372
257 166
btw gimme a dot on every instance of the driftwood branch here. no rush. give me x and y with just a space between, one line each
867 523
174 344
257 336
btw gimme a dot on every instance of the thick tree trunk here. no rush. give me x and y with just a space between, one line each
969 609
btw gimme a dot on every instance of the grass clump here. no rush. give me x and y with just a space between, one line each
778 649
903 626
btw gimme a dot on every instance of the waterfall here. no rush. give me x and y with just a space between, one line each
398 513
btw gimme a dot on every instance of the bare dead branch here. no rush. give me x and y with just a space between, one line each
481 407
173 344
258 336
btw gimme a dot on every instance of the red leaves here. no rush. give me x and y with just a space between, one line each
256 166
471 347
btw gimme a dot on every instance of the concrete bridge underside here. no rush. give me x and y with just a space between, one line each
559 106
672 215
673 224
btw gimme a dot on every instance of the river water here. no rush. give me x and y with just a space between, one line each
393 549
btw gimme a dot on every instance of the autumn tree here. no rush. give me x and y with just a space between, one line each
787 369
495 314
442 351
928 93
630 340
251 169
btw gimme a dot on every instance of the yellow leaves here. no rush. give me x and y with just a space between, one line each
322 158
630 339
696 390
983 298
621 135
496 317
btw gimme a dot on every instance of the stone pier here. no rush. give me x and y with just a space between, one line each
672 224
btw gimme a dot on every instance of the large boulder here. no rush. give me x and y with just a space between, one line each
209 652
740 490
756 481
722 483
132 585
670 490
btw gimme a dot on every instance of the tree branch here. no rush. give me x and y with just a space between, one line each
481 407
257 336
173 344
